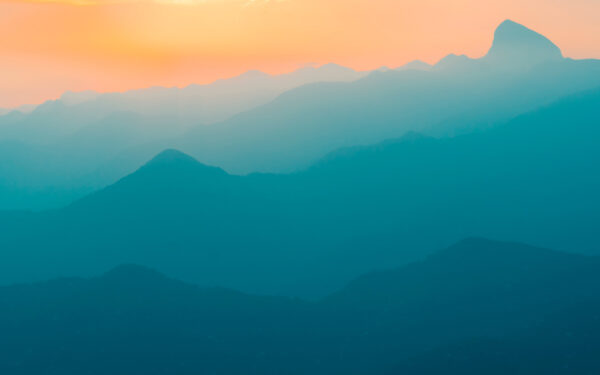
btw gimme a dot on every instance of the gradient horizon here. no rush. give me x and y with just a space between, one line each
115 45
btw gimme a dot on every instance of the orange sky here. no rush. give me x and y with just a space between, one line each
47 47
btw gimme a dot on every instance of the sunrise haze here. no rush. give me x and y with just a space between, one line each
114 45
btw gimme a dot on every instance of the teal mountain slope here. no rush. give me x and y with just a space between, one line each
532 180
523 71
473 308
74 141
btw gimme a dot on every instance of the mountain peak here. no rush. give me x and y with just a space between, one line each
508 23
175 162
517 45
415 65
510 32
171 156
453 62
333 66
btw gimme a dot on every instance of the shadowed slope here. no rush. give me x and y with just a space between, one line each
85 148
459 308
522 71
532 180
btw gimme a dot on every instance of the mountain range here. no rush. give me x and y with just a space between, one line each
356 210
79 148
55 152
428 317
457 95
300 218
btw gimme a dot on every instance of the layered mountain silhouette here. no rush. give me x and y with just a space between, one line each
474 307
516 46
522 71
191 105
72 142
299 219
415 65
73 149
532 180
26 108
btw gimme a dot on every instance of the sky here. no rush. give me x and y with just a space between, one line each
51 46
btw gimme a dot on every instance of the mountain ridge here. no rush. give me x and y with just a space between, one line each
426 315
286 133
516 46
354 210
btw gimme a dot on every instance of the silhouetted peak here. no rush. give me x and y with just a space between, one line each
512 32
332 67
415 65
172 156
176 162
515 44
455 62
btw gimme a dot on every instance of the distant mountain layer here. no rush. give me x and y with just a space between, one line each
516 46
76 145
477 307
533 180
522 71
191 105
21 109
72 142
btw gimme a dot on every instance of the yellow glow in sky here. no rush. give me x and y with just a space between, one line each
48 47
